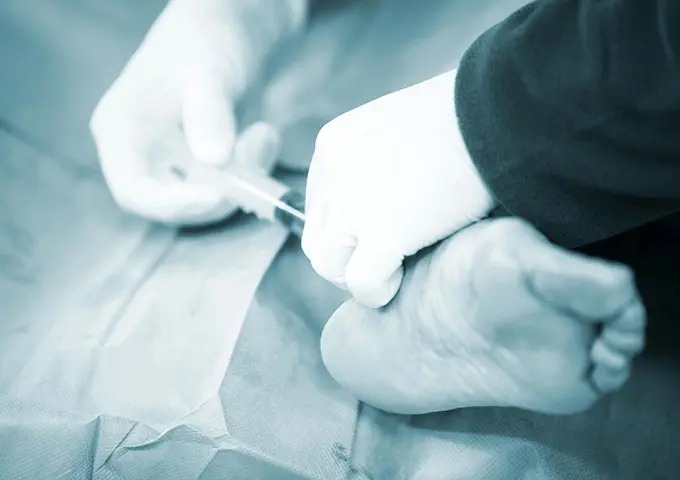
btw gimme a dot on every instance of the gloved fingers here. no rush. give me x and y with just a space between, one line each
331 251
208 118
316 173
374 273
258 146
177 203
126 167
315 223
316 213
163 200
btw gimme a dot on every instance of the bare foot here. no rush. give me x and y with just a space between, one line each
494 316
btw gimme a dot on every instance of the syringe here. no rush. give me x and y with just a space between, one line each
254 191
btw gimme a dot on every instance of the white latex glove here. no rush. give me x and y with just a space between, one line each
174 104
388 179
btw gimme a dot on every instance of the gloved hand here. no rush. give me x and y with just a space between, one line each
387 179
174 104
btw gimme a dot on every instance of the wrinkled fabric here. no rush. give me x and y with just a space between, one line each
125 345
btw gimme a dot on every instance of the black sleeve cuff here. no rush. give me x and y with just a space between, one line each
539 122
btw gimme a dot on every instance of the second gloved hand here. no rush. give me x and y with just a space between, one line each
173 105
388 179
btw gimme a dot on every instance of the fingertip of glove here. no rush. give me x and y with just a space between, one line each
214 152
258 145
374 291
174 203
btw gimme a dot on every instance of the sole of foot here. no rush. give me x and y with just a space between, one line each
494 316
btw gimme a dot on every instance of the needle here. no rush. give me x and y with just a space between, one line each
287 205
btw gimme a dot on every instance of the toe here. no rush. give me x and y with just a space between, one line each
632 319
621 339
623 335
607 358
588 288
625 341
606 380
611 369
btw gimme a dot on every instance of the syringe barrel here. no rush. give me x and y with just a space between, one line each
296 201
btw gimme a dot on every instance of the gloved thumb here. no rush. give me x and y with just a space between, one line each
208 119
374 274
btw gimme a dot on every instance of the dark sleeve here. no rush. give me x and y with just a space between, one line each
570 110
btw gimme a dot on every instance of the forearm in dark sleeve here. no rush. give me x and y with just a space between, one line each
570 110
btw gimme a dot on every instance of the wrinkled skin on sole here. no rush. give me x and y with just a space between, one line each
493 316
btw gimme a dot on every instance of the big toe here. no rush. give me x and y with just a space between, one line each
588 288
594 292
